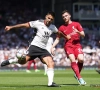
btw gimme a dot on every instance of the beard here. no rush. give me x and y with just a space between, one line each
48 23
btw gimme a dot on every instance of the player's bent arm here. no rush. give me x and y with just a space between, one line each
59 35
25 25
54 44
82 34
64 36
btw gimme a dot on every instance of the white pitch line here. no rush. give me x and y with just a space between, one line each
9 87
75 85
60 85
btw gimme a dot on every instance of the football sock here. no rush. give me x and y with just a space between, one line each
75 69
13 60
50 74
35 67
80 66
29 65
45 68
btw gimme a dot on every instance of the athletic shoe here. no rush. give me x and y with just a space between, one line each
4 63
28 71
54 85
37 70
45 74
80 81
98 71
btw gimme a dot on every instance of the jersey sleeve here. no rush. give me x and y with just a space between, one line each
33 24
55 29
79 27
60 30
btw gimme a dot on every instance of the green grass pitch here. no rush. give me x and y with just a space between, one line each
20 80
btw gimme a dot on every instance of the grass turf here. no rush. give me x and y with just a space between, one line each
20 80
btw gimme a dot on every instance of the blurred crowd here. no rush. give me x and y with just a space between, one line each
91 56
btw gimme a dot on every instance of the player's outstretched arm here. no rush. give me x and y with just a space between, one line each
64 36
25 25
54 45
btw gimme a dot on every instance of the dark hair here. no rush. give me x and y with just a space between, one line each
64 11
51 13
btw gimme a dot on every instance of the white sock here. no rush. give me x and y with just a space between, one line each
13 60
45 68
50 74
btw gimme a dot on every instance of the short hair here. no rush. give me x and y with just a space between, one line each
64 11
51 13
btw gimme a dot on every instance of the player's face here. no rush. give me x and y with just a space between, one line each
66 17
49 19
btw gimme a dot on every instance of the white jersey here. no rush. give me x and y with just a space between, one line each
43 33
49 44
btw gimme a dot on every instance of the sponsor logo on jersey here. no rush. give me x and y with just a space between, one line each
46 34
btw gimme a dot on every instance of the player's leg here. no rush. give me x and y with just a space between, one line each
50 71
45 69
28 66
45 57
9 61
74 65
70 53
75 68
15 60
80 57
35 67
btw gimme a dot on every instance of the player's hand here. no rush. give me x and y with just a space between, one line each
64 35
68 37
7 28
75 30
53 51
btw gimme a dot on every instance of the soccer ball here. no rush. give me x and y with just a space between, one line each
21 56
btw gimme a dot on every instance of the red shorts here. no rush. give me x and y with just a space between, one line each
73 50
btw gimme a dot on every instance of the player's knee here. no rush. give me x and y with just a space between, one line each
80 60
22 61
50 64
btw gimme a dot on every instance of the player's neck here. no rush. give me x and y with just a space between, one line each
69 22
46 24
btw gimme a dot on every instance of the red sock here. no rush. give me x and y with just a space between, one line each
75 69
80 66
29 65
35 67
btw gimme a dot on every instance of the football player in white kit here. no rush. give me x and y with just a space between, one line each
37 47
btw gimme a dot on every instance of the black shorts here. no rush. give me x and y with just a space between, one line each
34 52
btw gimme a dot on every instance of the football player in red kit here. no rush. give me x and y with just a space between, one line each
73 31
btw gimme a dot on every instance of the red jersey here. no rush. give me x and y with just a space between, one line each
68 30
